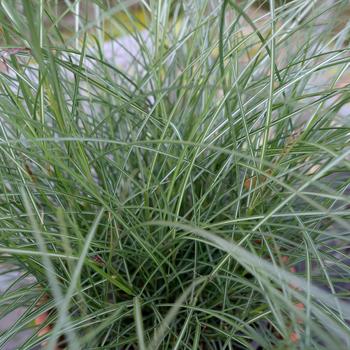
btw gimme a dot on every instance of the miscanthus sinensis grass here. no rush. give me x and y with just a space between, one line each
174 174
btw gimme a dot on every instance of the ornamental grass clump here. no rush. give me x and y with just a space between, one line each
175 174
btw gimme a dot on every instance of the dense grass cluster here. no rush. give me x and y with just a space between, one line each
194 196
